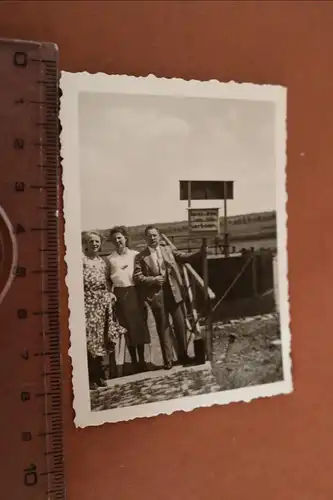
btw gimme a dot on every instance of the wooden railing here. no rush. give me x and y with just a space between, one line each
192 280
192 272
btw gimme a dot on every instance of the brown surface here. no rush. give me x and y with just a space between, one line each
278 448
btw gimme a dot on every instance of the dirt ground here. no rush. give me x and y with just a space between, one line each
245 352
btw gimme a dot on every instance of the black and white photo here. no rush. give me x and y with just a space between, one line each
176 250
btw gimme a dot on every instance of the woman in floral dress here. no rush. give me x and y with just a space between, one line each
101 329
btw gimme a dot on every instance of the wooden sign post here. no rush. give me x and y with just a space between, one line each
204 222
226 248
208 308
189 200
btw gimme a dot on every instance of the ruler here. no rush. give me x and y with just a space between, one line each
31 432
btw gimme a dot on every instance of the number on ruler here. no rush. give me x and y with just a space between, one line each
19 229
22 313
25 355
20 271
19 143
26 436
30 475
25 396
19 186
20 59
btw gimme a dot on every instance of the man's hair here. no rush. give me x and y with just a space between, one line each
151 226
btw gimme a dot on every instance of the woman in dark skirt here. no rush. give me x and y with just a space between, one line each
130 309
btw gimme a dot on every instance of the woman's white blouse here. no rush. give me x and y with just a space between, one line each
122 268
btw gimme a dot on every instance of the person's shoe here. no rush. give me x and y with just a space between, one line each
187 361
168 365
143 367
102 383
135 368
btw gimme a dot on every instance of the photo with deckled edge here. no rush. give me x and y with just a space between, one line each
176 244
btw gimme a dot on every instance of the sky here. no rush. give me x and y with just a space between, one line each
134 149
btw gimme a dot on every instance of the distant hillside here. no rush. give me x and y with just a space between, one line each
241 228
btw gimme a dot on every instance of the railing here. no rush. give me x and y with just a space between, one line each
192 280
192 272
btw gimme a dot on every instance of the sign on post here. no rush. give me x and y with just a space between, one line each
204 221
209 190
206 190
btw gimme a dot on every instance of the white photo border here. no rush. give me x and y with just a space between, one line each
72 84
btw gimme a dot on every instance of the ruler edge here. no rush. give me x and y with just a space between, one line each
33 43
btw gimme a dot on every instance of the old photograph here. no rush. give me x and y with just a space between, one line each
176 248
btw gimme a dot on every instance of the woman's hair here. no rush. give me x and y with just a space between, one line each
122 230
88 235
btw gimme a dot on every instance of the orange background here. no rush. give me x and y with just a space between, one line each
279 448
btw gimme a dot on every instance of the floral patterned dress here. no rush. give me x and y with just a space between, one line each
101 329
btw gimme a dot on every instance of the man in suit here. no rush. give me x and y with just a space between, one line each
157 275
